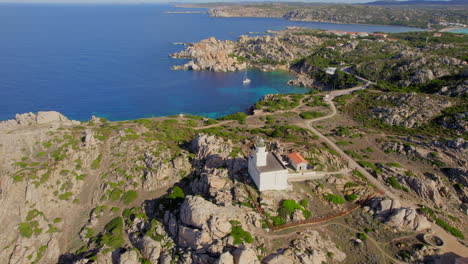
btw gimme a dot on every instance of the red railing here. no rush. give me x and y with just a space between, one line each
309 221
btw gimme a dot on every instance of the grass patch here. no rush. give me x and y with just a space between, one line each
351 197
394 164
113 234
311 114
65 196
396 184
97 162
335 199
240 117
239 234
362 236
129 197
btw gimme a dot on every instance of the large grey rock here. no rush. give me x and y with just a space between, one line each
309 248
245 256
401 218
193 238
225 258
129 257
52 118
409 110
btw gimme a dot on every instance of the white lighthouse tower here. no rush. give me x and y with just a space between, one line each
266 169
260 153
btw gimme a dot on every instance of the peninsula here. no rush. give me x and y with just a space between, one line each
425 14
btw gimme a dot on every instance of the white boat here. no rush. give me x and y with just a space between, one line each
246 79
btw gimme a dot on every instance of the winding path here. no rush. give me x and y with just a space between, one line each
451 243
371 239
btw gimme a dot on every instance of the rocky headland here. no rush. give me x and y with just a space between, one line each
411 15
307 53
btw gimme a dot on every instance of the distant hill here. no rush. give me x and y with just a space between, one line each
419 2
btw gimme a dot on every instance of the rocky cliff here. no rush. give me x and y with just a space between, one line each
265 52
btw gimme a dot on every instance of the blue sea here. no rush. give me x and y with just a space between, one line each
112 61
460 30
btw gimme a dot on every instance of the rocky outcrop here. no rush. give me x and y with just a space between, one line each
310 248
215 184
424 187
210 54
211 148
267 53
408 110
49 118
157 167
457 89
455 121
302 80
391 213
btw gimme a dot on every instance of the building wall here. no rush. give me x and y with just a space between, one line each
274 180
301 166
298 167
253 171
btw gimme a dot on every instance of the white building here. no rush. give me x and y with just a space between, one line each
330 70
266 169
297 161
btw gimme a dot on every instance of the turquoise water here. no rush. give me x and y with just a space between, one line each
460 30
112 61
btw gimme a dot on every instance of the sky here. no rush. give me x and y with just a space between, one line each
166 1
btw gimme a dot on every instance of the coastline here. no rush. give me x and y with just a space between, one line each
450 29
299 20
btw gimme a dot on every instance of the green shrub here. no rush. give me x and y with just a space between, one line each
25 229
353 154
452 230
113 234
176 192
311 114
357 173
96 163
290 206
65 196
336 199
210 122
342 143
394 164
394 183
304 203
239 234
278 220
369 165
307 214
240 117
350 184
129 197
351 197
362 236
115 194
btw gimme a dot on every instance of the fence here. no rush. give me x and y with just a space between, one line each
316 220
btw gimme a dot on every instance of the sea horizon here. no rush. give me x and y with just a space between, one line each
80 67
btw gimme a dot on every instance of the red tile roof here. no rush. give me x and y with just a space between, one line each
296 158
